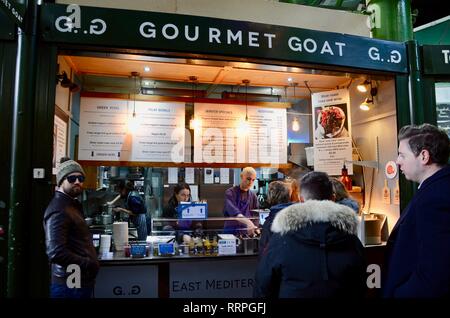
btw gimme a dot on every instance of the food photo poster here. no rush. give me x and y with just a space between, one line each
332 131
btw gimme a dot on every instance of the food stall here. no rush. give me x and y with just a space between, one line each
176 98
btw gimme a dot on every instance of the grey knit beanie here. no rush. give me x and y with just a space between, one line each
67 167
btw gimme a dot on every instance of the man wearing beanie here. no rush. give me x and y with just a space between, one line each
67 236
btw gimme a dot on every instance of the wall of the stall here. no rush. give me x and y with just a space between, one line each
74 125
69 103
381 122
62 99
7 71
262 11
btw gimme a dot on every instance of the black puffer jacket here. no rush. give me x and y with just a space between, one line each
68 240
314 253
266 231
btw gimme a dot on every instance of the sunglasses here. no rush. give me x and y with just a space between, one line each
72 179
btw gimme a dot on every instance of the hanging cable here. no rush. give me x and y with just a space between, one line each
135 76
193 123
246 82
350 83
307 86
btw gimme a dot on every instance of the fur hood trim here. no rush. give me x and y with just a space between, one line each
300 215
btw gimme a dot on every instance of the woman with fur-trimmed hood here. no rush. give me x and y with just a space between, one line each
314 252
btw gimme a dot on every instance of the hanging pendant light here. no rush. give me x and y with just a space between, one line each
194 123
244 126
133 123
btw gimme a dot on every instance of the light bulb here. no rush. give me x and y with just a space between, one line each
243 127
362 88
295 124
133 124
366 104
364 107
195 123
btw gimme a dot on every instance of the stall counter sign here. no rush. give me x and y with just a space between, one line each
192 210
390 170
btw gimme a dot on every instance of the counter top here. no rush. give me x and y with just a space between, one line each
119 258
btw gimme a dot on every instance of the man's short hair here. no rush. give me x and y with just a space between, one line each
316 185
248 170
427 137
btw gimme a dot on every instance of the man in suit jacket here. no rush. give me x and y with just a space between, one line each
418 249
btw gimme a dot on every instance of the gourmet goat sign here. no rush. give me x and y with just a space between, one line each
191 34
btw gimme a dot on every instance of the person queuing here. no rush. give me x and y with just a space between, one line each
239 201
418 249
314 251
278 198
67 237
294 189
134 207
342 196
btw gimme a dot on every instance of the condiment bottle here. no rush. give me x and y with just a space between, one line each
386 193
207 246
191 247
345 178
397 194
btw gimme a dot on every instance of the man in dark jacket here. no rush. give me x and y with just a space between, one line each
70 250
418 249
314 251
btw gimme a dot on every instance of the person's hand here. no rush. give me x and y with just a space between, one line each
251 229
117 209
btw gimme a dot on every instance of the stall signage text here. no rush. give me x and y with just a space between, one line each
436 59
15 10
175 32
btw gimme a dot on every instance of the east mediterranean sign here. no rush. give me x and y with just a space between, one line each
15 10
74 24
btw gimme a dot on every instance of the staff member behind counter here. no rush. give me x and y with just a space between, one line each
181 193
134 206
238 203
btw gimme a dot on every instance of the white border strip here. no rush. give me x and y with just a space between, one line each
430 24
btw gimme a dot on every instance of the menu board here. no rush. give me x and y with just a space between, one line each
224 137
442 91
443 117
110 132
332 131
267 136
59 142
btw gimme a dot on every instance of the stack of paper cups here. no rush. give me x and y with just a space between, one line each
120 235
105 243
